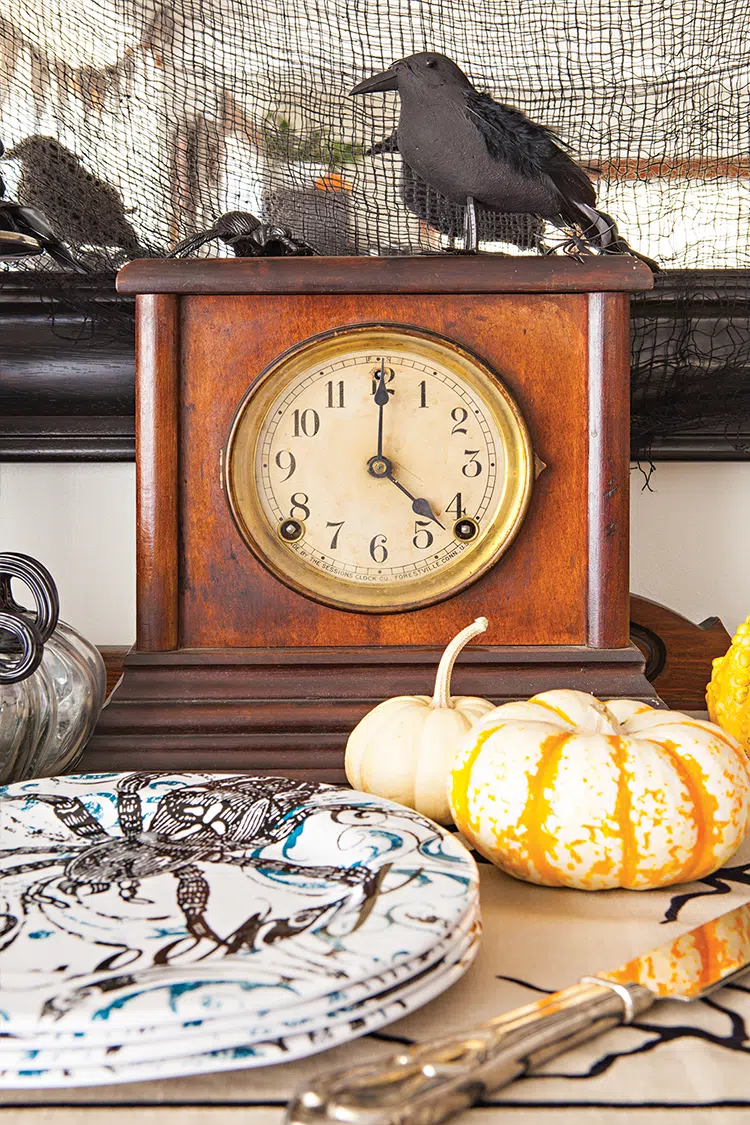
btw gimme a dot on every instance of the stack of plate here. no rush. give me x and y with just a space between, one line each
154 925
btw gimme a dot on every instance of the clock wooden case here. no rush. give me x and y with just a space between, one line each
234 667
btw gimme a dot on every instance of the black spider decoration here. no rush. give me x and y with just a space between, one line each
248 237
227 821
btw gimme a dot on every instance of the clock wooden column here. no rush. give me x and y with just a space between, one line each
232 668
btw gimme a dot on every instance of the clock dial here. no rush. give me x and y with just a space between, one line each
378 468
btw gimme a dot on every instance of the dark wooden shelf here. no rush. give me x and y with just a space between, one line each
67 388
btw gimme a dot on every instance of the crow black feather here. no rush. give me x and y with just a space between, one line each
445 216
532 150
84 209
388 144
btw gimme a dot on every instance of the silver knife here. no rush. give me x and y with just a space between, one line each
428 1083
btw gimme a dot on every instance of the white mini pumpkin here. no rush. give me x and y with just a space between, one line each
568 791
404 748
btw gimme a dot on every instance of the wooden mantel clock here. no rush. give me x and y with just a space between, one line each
343 461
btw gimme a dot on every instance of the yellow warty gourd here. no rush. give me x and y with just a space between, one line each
568 791
404 748
728 694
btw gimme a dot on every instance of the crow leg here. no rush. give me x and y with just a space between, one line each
471 238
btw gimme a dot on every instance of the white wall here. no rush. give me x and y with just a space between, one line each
690 539
79 520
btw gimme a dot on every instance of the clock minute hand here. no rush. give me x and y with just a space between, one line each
381 399
418 503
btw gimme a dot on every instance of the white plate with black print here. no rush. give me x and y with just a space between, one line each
232 1029
132 900
246 1055
214 1035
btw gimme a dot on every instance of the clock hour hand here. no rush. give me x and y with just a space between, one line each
418 504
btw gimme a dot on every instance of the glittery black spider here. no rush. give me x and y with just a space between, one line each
248 237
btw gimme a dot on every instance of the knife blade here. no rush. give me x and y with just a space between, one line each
428 1083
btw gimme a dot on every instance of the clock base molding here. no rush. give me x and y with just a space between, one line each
291 710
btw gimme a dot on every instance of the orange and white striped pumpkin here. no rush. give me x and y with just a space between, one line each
567 791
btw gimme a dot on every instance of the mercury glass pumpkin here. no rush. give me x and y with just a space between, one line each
28 705
53 711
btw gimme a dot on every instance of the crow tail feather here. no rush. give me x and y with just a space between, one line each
603 234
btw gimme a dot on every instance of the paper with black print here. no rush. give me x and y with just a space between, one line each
676 1054
538 940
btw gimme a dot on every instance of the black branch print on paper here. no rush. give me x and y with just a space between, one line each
658 1034
652 1037
717 884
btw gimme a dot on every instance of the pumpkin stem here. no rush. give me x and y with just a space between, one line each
442 696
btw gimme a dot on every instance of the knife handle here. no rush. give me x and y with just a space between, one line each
428 1083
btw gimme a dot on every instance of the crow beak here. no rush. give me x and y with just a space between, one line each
378 84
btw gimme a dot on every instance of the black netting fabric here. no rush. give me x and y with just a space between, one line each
134 124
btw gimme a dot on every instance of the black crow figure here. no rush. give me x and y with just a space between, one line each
84 209
475 151
17 219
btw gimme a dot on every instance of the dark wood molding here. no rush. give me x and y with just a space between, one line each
678 665
678 653
157 479
293 709
67 387
698 317
608 469
487 273
702 445
114 658
67 437
66 384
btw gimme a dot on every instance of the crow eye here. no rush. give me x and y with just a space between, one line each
431 62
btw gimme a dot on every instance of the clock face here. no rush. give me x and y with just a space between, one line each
378 468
